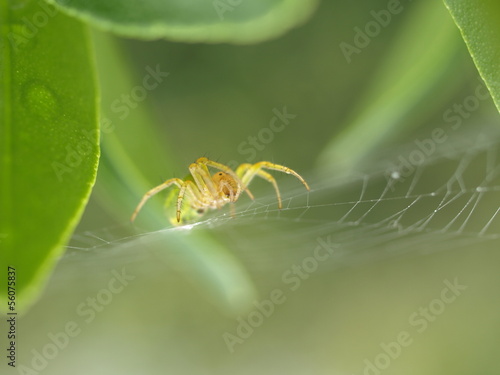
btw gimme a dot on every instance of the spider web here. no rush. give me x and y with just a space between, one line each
451 200
455 192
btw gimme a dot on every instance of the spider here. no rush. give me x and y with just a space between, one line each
205 191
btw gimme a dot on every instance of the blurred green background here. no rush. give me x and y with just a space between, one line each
188 288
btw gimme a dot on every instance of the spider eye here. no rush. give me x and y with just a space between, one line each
220 173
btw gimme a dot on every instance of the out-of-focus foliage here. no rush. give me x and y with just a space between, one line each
478 23
48 140
235 21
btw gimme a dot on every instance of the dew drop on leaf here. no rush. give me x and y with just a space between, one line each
40 100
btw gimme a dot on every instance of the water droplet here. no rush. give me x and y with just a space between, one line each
395 175
40 100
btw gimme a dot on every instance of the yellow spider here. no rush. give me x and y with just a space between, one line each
204 191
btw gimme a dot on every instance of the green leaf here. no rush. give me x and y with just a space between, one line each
213 21
48 136
479 23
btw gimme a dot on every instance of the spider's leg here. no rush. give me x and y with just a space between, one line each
280 168
173 181
249 171
266 176
232 210
242 171
203 180
196 195
193 190
210 193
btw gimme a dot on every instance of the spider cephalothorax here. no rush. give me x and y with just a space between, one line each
226 183
205 191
